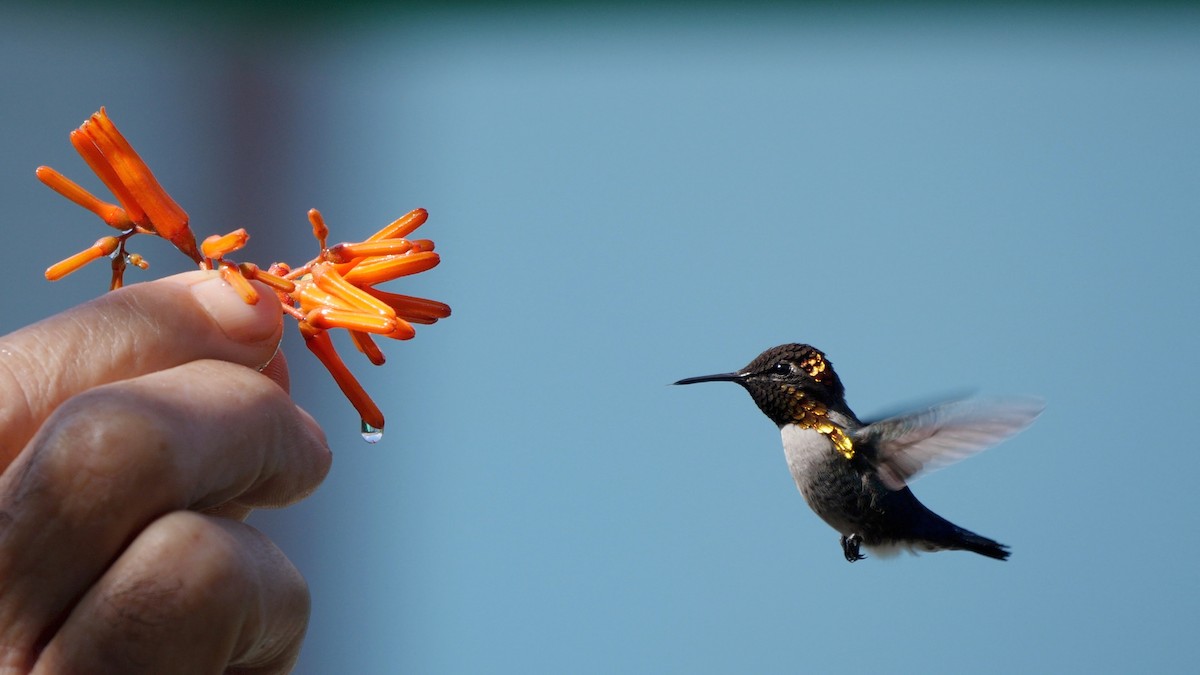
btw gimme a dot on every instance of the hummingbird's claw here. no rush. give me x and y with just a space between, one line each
850 548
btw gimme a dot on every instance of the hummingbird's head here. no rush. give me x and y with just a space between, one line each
786 381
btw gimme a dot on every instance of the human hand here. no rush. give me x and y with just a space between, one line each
136 432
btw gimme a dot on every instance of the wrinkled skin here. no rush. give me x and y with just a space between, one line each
136 433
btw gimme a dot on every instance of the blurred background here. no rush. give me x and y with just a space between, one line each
1001 199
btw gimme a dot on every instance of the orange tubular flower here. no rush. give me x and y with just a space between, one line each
402 226
111 214
327 279
386 268
130 180
87 149
417 310
320 231
326 317
364 344
252 271
334 290
102 247
163 215
321 346
345 253
232 275
219 246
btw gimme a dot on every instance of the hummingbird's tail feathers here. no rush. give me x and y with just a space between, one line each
939 534
967 540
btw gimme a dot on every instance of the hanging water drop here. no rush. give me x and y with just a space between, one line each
371 434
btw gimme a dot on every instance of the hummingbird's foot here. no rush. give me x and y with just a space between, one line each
850 548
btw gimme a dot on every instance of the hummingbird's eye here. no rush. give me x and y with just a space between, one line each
781 368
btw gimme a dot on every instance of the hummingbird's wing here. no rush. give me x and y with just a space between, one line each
906 445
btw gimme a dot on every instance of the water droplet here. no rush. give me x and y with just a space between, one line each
370 434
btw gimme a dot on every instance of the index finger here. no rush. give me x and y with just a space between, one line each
129 332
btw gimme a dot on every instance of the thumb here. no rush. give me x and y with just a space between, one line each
129 332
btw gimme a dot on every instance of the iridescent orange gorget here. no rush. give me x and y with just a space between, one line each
336 289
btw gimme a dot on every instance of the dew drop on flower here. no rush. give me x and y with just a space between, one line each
371 434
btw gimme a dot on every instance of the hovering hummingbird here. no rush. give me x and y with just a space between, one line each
854 475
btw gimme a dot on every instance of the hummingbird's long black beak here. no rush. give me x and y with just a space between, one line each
720 377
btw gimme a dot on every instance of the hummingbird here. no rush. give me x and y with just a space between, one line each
855 474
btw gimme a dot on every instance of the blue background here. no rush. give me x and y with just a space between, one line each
1002 200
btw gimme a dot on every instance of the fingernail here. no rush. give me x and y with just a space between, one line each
239 321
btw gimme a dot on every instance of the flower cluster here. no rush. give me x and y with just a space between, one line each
336 289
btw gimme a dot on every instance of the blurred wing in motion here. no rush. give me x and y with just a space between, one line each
914 443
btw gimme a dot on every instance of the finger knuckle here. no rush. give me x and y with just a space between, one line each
180 564
106 443
208 559
182 573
